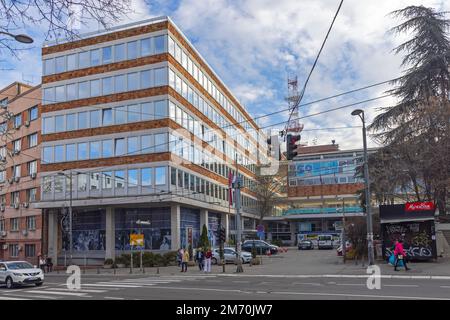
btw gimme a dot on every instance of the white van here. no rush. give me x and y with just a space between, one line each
325 241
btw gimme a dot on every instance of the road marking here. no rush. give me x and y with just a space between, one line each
81 290
59 293
400 285
444 287
240 281
357 295
109 285
307 283
37 296
11 298
114 298
351 284
335 276
132 284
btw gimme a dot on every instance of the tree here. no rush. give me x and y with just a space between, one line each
204 241
60 18
416 131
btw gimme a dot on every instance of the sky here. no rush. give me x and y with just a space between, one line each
254 45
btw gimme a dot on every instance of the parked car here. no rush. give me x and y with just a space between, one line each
305 245
14 273
261 247
229 255
325 241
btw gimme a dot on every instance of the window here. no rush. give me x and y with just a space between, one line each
84 59
161 142
133 145
160 175
119 146
49 125
48 154
120 114
134 113
31 223
107 54
59 121
32 140
59 153
82 151
171 46
160 76
145 47
71 152
133 178
133 81
83 90
47 185
72 62
159 44
107 117
82 182
30 250
13 250
49 95
146 177
107 148
94 181
132 50
32 167
60 64
49 66
14 222
71 121
2 176
95 88
147 111
119 52
96 118
147 144
18 120
178 53
94 150
119 179
107 85
33 113
119 83
83 122
107 180
161 109
17 145
146 79
72 91
95 57
16 171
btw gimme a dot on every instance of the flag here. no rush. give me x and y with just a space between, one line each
230 188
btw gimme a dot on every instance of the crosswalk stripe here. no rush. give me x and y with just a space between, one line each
133 284
80 290
11 298
34 296
109 285
58 293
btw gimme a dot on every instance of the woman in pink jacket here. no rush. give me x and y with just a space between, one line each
400 254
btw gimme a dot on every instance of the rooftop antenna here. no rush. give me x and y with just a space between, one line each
293 98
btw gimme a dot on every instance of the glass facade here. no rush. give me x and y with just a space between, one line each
189 218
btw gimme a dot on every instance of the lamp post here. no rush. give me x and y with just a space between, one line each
343 240
23 38
146 223
70 214
360 114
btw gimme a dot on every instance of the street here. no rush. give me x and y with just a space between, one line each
256 283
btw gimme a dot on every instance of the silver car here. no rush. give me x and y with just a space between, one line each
229 255
14 273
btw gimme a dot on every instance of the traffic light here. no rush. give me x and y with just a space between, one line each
222 234
291 147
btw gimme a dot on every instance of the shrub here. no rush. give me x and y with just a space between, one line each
109 262
170 258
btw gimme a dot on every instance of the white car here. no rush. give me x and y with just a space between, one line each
230 256
14 273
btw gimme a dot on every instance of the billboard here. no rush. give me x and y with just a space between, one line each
320 168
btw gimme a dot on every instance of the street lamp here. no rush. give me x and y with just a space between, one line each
23 38
360 114
70 213
343 240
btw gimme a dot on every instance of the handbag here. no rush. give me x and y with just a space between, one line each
400 257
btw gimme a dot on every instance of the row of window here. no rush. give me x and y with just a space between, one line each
16 170
104 55
31 140
14 224
14 249
30 196
320 181
149 143
32 114
105 117
106 180
106 85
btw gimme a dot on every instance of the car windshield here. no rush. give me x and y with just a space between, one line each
19 265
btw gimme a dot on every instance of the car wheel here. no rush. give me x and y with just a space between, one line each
38 284
214 261
9 283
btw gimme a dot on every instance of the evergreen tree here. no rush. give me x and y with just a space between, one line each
204 241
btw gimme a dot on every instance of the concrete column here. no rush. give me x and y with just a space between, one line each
175 226
226 224
110 250
293 230
203 219
53 236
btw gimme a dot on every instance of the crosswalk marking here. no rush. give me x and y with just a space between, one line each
133 284
109 285
75 294
80 290
11 298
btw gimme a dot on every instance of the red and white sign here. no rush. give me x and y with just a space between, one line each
419 206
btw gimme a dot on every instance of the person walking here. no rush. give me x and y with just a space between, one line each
185 261
42 263
180 256
207 259
399 253
199 257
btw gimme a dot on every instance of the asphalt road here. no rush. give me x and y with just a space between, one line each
256 283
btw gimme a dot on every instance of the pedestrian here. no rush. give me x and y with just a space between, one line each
207 259
184 261
42 263
49 264
199 257
399 253
180 256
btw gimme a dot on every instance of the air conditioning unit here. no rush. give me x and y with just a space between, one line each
27 124
16 179
15 152
11 181
17 126
16 205
26 204
3 234
25 232
5 247
33 175
2 159
2 208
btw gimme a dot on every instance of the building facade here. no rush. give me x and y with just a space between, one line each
20 222
137 126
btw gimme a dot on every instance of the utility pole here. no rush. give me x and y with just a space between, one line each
237 189
344 245
70 217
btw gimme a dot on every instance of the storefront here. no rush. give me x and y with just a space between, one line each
414 224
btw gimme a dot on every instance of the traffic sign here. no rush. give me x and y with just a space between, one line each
137 240
260 228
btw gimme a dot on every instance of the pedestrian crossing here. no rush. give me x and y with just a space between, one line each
96 289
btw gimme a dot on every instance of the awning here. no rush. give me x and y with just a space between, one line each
405 220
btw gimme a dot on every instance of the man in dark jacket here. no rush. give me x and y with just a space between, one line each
199 258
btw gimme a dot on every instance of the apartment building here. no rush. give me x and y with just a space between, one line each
138 127
20 221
